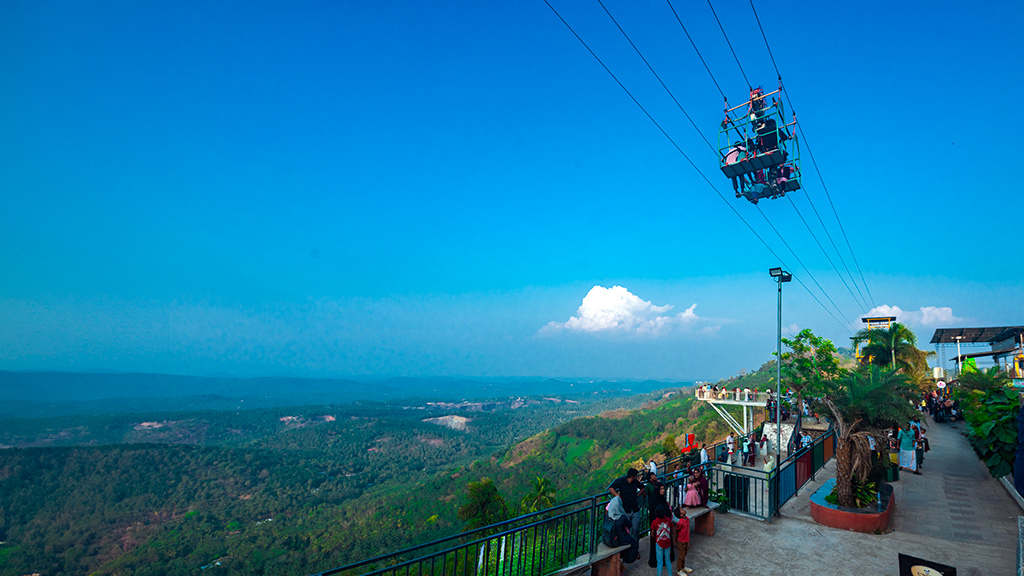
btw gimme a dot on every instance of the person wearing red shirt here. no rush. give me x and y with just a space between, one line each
682 541
661 535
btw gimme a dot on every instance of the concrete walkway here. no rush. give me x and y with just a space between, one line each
954 513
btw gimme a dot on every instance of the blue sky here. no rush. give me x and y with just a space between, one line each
410 188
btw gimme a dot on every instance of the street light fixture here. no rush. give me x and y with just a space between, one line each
780 276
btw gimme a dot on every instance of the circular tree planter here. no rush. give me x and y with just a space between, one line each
870 520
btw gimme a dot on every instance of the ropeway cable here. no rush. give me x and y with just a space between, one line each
692 43
720 27
811 154
692 164
651 68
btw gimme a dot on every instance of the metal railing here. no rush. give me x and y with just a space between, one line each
738 395
800 466
568 535
537 543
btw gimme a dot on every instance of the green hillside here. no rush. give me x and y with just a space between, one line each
279 491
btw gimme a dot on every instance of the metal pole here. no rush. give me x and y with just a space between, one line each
778 394
958 358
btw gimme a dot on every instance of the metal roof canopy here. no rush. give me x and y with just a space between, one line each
962 357
973 335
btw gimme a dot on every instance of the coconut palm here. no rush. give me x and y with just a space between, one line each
484 505
893 347
863 403
541 496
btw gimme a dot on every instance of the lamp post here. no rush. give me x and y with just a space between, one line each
958 358
780 276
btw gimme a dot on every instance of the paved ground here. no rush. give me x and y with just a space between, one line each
954 513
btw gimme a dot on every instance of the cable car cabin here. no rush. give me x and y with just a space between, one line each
758 150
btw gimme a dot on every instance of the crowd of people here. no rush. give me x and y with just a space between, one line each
941 407
670 525
908 443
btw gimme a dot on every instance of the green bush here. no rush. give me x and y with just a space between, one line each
992 427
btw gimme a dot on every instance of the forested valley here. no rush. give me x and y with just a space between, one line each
296 490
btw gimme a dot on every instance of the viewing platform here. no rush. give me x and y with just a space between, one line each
749 400
737 397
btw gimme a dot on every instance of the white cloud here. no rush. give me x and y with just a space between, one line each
616 309
926 316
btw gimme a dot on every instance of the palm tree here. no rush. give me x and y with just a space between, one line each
894 347
484 505
863 403
541 496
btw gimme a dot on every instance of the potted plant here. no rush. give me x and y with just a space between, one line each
862 404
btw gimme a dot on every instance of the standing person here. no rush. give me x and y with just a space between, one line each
907 443
805 440
661 539
745 450
731 444
702 486
655 492
703 454
627 488
682 540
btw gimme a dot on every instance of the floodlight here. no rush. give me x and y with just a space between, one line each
775 272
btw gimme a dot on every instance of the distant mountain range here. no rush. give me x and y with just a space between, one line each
34 394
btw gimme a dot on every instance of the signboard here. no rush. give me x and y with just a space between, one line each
941 384
691 443
910 566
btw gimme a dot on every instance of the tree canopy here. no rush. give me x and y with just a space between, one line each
484 505
894 347
810 363
540 497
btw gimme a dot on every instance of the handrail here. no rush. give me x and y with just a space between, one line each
465 545
468 533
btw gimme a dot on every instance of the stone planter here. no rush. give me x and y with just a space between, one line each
871 520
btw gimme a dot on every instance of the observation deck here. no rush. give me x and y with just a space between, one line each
749 400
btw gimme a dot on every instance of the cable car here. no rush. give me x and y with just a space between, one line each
757 149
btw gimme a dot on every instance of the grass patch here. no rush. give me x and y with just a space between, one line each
575 447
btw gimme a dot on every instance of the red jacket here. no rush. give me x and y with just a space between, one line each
683 529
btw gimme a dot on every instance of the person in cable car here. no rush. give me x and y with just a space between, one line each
756 106
756 188
768 135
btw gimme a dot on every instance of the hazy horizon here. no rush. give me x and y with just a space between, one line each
396 189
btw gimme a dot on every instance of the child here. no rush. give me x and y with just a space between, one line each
692 497
682 541
661 535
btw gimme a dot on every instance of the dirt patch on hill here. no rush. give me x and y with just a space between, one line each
616 414
520 451
435 442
